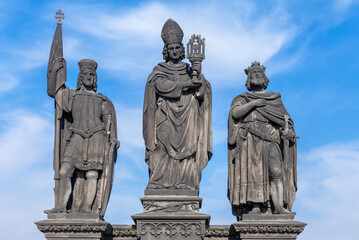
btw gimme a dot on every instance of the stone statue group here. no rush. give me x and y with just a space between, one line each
177 130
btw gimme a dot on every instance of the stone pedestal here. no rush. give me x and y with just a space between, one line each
74 226
174 226
171 214
267 226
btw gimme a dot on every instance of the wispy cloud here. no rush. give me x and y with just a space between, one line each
343 5
26 172
21 135
7 82
129 126
328 189
235 35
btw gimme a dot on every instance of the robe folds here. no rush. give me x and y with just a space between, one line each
253 140
176 128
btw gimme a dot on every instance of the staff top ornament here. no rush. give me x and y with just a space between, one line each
59 16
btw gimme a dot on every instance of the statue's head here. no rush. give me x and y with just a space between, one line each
256 78
172 36
87 76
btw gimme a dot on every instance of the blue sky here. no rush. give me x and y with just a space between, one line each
311 54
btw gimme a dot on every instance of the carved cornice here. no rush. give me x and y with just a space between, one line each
217 232
274 229
171 229
73 227
124 232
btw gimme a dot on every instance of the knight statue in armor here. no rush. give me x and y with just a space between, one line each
262 154
176 117
85 137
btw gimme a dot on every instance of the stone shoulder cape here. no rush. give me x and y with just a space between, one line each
164 70
274 111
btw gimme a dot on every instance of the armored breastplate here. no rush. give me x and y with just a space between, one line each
87 111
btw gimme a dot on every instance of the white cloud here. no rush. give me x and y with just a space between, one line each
22 134
343 5
328 191
26 172
129 127
8 82
235 35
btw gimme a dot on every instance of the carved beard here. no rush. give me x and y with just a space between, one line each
257 81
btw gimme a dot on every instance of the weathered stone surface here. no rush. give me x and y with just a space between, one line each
123 232
270 227
268 217
128 232
163 226
175 192
171 204
74 215
262 150
177 115
85 147
75 229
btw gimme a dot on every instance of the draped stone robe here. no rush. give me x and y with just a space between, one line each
252 140
176 128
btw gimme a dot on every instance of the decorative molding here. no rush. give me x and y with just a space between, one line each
128 232
74 227
173 206
217 232
274 229
171 229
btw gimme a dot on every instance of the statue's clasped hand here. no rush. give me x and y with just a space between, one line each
196 67
259 103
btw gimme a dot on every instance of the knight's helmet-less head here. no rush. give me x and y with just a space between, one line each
87 64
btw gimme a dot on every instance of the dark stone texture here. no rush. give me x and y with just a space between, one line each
128 232
176 192
177 129
268 217
267 229
177 115
85 148
262 150
56 229
74 215
171 203
191 226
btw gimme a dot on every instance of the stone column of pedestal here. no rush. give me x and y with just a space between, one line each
267 226
171 214
75 226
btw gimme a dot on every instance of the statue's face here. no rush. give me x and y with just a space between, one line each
174 51
257 77
88 76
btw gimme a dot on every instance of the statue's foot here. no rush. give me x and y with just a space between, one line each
55 210
255 210
152 186
86 210
183 186
282 211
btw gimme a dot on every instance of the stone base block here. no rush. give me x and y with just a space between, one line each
171 226
155 203
271 226
72 229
